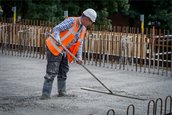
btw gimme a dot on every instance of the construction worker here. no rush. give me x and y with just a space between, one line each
70 33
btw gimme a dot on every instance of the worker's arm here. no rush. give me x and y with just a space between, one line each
79 53
82 36
64 25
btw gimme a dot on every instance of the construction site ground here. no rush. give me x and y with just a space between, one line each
21 81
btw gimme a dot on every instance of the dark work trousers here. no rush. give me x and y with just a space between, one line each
56 66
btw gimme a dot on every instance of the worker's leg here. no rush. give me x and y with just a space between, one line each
53 63
62 76
47 87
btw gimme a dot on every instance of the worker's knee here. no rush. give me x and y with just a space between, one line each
62 77
49 77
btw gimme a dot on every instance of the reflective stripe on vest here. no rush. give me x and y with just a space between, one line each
71 31
74 48
53 42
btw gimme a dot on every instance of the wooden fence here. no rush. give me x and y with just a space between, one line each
130 50
123 48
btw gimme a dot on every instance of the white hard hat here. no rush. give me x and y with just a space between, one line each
90 13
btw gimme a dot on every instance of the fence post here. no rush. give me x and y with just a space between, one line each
96 48
163 54
167 52
153 47
145 50
112 50
158 51
132 49
137 42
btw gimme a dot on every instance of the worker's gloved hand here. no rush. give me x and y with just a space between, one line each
58 43
79 60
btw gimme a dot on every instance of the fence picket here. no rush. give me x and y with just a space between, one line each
163 54
158 52
167 46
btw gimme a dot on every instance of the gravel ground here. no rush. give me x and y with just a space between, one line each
21 81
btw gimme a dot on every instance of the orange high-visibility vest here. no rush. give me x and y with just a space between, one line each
66 37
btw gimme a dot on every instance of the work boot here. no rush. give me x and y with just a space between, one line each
47 87
61 87
62 93
44 97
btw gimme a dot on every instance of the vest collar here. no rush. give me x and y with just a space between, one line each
79 21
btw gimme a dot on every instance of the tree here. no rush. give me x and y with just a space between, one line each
163 13
53 10
103 21
7 8
154 10
42 10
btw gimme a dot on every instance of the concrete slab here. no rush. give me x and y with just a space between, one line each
21 81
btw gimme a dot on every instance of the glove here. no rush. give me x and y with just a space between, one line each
79 61
58 43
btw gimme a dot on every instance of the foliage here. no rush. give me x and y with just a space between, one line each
163 13
43 10
102 19
154 10
52 10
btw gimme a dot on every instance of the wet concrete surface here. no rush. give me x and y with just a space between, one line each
21 81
